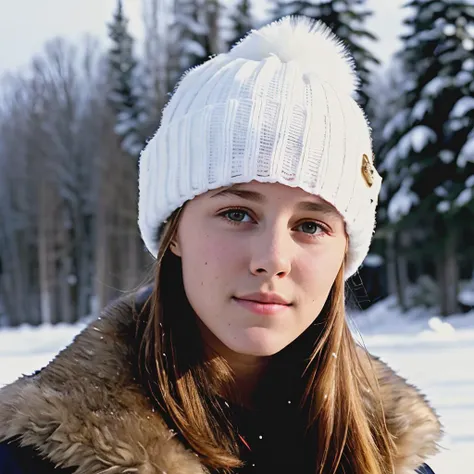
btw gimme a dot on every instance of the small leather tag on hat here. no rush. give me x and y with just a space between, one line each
368 170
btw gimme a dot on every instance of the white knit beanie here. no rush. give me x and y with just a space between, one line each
277 107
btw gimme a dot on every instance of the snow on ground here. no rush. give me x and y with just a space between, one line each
432 354
429 352
26 349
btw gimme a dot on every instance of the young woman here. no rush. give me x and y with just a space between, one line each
257 198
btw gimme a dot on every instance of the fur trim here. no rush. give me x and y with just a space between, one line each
310 43
78 413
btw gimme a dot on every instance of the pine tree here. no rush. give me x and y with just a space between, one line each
346 18
152 71
387 88
122 95
428 157
194 35
242 21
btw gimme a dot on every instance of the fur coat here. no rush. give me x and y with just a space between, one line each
86 410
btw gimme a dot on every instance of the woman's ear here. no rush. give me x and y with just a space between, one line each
175 248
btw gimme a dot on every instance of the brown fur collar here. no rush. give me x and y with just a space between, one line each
85 409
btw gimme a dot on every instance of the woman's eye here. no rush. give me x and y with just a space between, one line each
310 227
237 215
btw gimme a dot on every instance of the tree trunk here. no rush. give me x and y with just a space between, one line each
448 273
44 254
101 231
402 271
13 281
213 15
391 264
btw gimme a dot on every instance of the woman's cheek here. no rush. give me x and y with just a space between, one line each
211 255
315 271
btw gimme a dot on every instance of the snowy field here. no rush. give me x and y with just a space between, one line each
428 352
434 356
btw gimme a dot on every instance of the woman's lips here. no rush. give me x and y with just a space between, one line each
259 307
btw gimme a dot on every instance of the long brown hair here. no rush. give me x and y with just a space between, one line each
339 395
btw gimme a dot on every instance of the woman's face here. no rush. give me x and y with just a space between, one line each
258 263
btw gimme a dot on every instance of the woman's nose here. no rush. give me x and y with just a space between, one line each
271 252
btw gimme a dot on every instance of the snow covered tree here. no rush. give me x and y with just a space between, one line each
122 96
241 20
428 156
347 19
194 35
153 81
387 88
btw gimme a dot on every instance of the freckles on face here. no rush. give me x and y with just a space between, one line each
258 262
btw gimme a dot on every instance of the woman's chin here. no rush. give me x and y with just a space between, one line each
257 346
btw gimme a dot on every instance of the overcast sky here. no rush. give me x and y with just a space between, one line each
25 25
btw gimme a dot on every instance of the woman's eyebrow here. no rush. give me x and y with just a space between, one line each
320 207
242 193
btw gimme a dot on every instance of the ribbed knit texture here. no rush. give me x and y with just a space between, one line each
268 119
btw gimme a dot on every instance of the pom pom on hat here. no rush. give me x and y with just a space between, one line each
310 43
